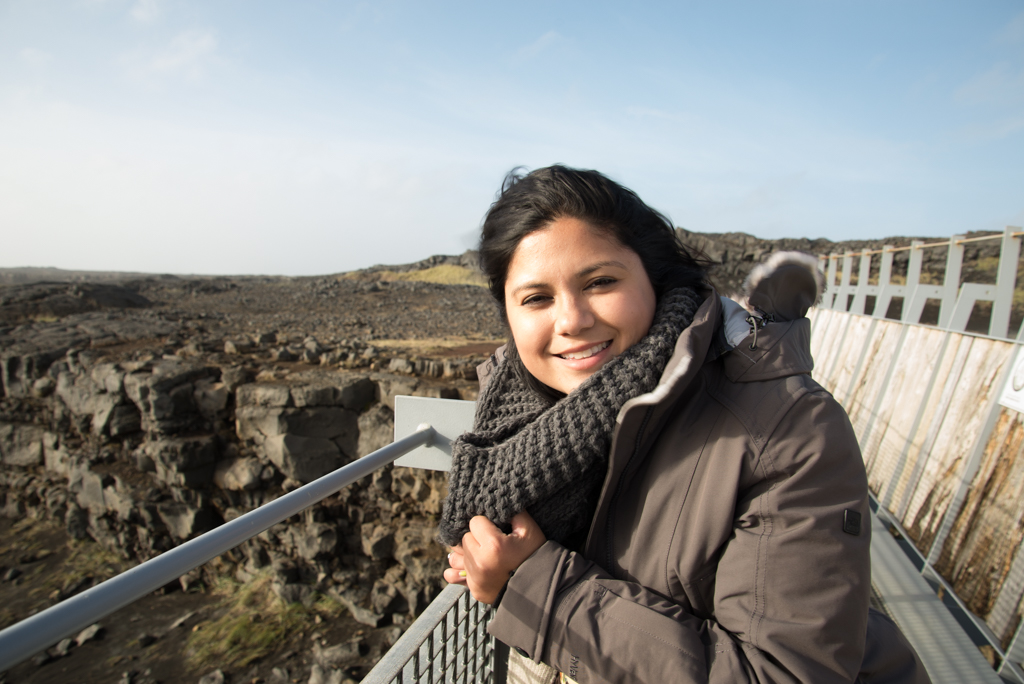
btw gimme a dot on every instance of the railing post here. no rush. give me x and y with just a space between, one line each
951 281
1004 610
952 381
842 300
845 322
1006 277
855 376
828 300
449 633
886 290
863 275
911 306
499 666
880 397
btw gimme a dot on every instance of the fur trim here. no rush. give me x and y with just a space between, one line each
764 270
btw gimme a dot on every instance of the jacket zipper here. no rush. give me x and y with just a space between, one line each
618 488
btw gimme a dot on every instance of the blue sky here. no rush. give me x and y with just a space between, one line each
316 137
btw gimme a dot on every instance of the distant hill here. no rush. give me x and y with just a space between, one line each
733 254
49 274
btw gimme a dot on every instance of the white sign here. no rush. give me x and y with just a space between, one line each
1013 394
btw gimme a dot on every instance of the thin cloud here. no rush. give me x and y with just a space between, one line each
146 11
1003 82
35 58
1000 84
996 130
1013 32
774 192
661 115
651 112
188 55
542 44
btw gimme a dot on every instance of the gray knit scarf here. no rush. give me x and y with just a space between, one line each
550 460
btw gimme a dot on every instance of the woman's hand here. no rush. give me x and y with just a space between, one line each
487 556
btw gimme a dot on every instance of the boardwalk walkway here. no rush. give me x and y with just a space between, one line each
949 654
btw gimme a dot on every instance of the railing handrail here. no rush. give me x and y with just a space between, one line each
920 245
24 639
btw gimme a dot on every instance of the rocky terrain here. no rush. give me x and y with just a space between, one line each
139 412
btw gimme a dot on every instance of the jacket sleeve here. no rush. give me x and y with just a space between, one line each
791 596
564 610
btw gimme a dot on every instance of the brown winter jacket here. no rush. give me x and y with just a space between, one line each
725 546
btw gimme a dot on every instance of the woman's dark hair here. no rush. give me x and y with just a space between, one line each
531 201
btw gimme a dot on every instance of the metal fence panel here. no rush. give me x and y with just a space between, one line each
447 643
955 300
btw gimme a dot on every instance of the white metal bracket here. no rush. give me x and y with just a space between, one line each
449 418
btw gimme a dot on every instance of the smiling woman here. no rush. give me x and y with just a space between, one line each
648 494
612 227
576 298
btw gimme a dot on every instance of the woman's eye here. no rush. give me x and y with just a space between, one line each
599 282
535 299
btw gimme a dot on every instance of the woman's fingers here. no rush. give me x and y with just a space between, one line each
455 558
489 556
456 573
480 529
525 528
452 576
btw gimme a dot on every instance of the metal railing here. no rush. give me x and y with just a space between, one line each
956 301
44 629
447 643
904 386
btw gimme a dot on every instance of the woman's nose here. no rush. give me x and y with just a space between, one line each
574 316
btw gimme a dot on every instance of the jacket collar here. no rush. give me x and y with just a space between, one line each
694 345
782 349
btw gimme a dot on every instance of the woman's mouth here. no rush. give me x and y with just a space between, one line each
586 353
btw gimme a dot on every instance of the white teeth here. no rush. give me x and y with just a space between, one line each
586 353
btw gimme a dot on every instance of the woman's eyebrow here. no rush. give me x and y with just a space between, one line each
526 286
601 264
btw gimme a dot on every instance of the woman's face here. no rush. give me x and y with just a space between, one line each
576 298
